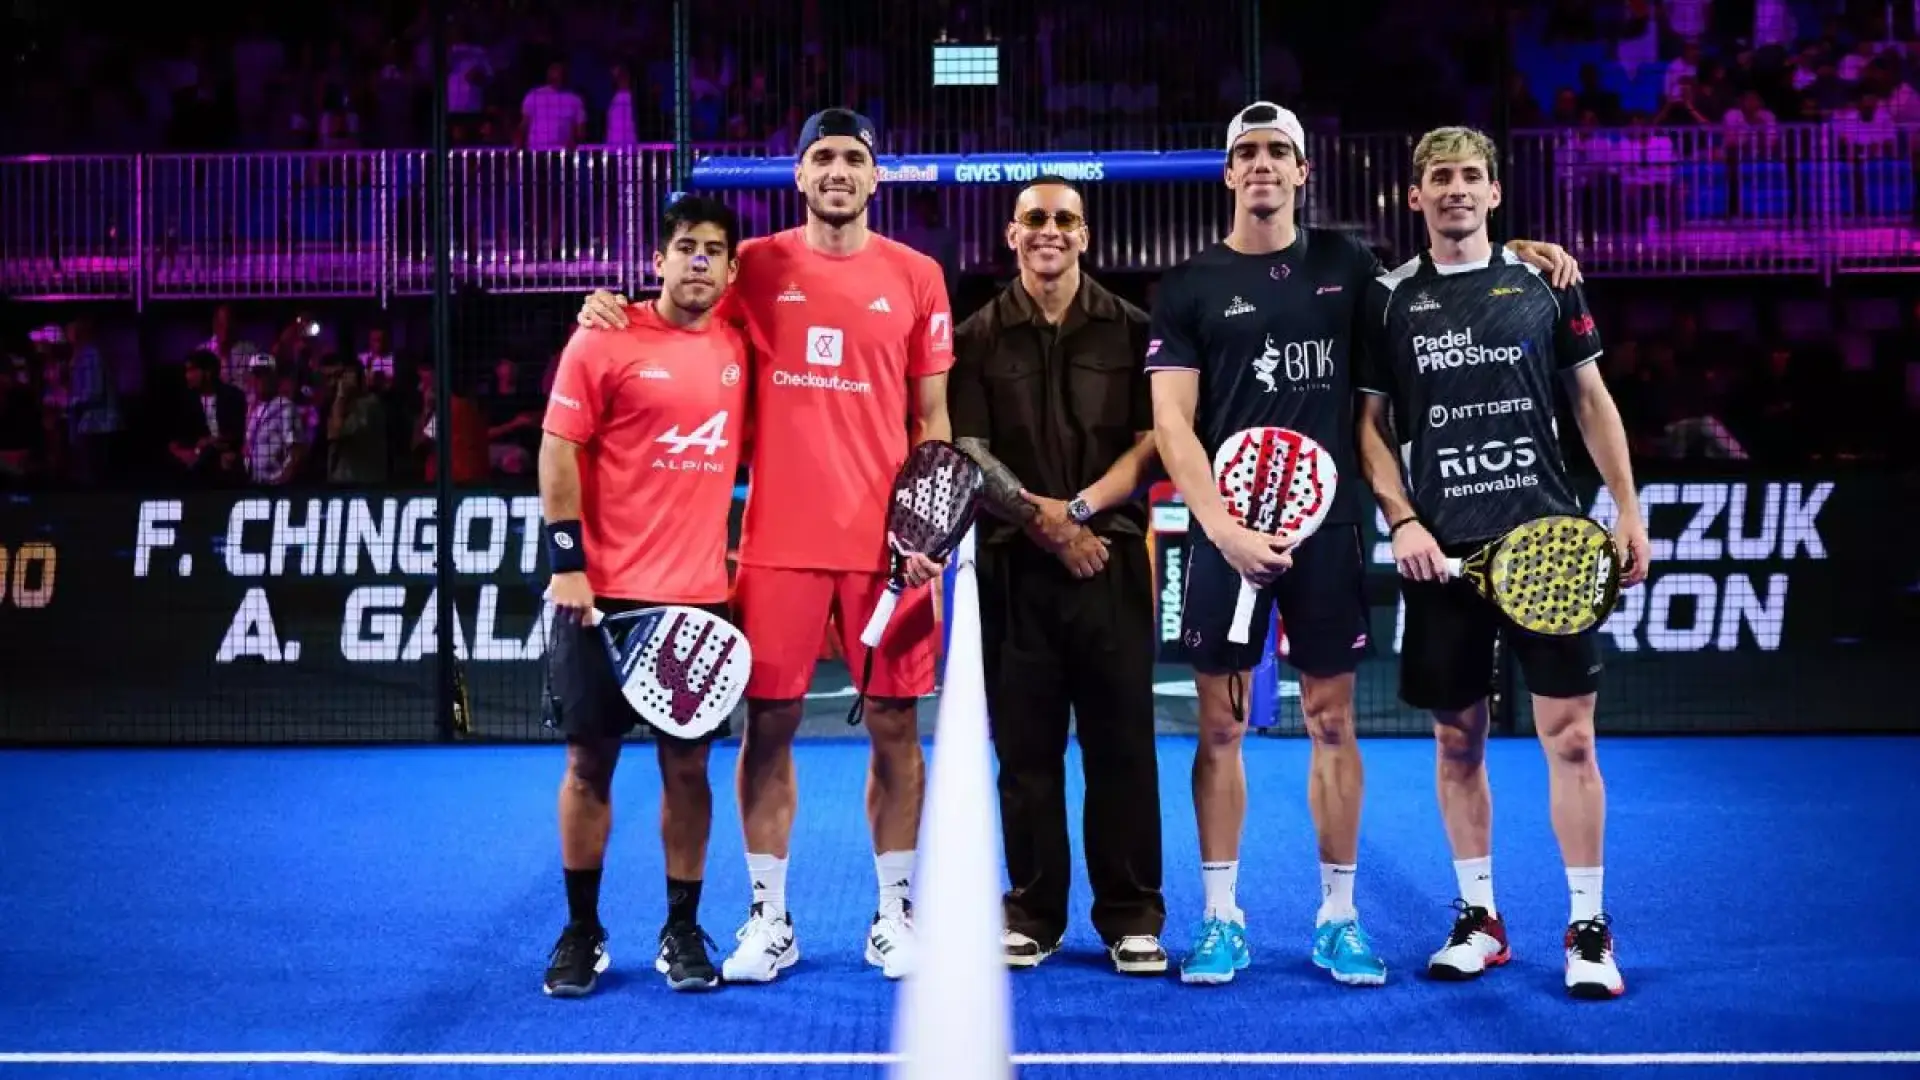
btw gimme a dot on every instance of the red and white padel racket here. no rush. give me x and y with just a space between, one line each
1276 482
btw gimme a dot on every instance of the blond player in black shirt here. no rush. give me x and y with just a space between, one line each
1462 349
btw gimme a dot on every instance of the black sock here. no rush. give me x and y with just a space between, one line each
583 897
683 901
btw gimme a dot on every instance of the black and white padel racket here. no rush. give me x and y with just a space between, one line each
682 669
935 497
1276 482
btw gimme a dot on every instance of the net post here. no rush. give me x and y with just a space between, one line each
1503 120
1251 40
682 165
438 197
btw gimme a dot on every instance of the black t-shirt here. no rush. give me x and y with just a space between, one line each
1273 338
1468 356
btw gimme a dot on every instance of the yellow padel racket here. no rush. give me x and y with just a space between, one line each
1555 575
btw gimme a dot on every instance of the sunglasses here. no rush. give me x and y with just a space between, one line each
1065 220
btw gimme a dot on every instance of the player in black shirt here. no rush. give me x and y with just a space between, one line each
1257 332
1464 344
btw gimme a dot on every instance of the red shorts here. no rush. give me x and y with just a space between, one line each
784 614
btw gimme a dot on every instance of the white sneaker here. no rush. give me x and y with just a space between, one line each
890 941
1023 951
1138 954
1591 971
1477 942
767 947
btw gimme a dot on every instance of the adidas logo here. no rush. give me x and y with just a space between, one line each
880 305
1239 307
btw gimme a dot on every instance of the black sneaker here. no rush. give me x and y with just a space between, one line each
683 958
577 961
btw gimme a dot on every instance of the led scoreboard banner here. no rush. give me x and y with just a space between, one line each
1769 596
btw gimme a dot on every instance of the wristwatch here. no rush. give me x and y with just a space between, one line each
1078 510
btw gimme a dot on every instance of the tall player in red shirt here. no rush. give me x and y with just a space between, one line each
640 419
853 336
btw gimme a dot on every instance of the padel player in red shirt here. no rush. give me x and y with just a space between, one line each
637 466
853 336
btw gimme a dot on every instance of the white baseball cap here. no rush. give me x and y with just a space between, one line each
1266 116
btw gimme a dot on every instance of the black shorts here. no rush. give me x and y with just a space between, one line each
583 699
1322 600
1446 648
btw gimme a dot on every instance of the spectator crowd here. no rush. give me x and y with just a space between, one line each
295 407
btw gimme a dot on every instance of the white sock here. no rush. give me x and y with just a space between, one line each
769 877
1336 893
1583 883
1476 882
895 872
1221 879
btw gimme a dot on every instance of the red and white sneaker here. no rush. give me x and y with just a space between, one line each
1478 942
1591 972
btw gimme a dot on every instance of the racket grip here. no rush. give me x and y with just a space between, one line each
1242 625
1453 567
882 611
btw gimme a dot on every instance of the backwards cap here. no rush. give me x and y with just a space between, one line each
830 122
1266 116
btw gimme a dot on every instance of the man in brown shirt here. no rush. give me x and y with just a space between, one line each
1049 394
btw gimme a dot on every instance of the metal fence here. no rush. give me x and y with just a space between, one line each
1641 201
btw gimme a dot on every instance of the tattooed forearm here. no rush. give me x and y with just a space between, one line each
1003 488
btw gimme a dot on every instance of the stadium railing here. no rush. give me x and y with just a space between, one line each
1796 199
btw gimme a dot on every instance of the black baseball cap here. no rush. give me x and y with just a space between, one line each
829 122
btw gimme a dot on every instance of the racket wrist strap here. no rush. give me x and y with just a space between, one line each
566 551
1394 530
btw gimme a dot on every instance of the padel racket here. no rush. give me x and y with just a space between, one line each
682 669
1555 575
1276 482
935 497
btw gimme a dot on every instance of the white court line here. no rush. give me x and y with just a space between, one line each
756 1060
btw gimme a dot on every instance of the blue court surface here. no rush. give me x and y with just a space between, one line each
386 913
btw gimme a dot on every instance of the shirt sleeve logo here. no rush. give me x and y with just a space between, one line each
1581 325
940 331
730 375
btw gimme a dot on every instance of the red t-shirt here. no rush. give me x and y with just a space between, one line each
836 339
659 411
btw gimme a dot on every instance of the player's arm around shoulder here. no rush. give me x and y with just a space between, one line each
1552 260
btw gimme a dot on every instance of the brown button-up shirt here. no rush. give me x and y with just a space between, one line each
1058 405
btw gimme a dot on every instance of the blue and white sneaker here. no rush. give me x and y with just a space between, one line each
1341 947
1219 950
